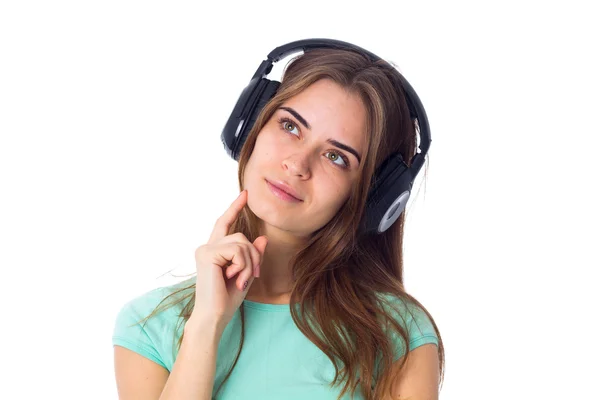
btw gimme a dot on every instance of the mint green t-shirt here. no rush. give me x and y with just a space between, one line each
277 361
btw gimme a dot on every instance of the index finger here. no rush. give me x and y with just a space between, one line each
224 221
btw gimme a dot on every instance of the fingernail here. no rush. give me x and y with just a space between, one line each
256 270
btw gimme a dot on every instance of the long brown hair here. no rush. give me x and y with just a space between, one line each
339 276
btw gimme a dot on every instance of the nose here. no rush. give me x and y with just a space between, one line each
298 164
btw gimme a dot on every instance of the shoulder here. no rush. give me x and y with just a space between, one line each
151 337
412 318
142 305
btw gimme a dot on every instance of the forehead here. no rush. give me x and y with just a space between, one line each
332 111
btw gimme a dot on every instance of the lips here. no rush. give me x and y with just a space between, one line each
285 189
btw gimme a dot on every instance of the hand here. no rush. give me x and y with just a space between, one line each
226 267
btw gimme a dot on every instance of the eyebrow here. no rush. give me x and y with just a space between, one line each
332 141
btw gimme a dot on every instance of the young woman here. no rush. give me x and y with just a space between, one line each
299 290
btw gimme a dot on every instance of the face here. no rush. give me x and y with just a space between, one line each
308 145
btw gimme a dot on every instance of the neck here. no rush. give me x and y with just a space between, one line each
275 282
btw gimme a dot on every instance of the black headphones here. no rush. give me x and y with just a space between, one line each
393 180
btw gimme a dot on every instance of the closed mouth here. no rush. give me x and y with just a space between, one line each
283 190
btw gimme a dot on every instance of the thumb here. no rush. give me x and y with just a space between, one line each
261 243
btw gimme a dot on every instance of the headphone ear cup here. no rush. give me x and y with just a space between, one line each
389 193
267 89
235 122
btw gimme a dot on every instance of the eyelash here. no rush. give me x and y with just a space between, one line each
283 120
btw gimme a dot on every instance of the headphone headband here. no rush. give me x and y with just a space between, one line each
308 44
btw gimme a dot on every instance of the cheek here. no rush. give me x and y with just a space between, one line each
266 148
333 194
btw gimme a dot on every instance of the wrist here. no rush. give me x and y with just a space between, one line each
206 325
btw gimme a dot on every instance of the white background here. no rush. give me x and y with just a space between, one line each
112 173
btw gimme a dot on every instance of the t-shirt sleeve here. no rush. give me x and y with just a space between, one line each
136 336
418 325
421 330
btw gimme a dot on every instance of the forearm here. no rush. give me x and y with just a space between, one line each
193 373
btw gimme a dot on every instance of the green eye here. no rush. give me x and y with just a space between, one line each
288 125
339 156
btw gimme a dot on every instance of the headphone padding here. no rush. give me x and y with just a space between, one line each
268 90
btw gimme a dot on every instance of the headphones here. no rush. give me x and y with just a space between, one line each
392 182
